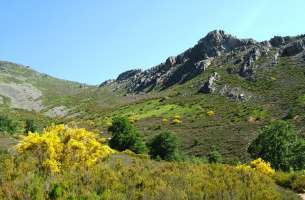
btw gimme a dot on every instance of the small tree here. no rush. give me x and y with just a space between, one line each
8 126
279 144
30 126
125 136
164 146
214 156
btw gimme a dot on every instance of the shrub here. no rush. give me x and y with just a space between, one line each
164 146
164 121
30 126
294 180
59 146
56 192
214 156
125 136
210 113
177 119
279 144
8 126
262 166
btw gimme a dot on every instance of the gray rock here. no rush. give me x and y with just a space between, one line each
171 61
235 93
294 48
107 82
246 69
210 85
128 74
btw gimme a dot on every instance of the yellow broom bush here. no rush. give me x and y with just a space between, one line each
59 146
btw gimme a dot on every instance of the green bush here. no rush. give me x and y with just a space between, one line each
30 126
214 156
125 136
8 126
291 180
126 177
279 144
164 146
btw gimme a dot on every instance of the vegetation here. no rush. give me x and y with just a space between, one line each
59 146
279 144
125 136
8 126
164 146
126 176
30 126
214 156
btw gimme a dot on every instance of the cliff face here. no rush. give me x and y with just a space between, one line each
216 47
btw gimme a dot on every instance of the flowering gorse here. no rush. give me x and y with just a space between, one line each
59 146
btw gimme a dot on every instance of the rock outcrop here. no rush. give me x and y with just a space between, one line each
294 48
210 85
234 93
216 49
128 74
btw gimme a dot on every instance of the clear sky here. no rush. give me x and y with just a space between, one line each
94 40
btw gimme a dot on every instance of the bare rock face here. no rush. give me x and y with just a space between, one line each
107 82
171 61
128 74
246 69
278 41
217 49
210 85
22 96
294 48
234 93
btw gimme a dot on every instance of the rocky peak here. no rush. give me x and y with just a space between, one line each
128 74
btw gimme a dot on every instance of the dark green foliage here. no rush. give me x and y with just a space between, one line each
214 156
164 146
125 136
30 126
279 144
56 192
8 126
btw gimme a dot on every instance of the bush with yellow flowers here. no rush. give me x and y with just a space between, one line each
164 121
177 119
59 146
210 113
262 166
133 118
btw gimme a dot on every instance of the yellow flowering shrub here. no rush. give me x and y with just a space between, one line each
164 121
133 118
262 166
177 119
59 146
210 113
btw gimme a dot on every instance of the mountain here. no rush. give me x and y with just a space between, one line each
223 90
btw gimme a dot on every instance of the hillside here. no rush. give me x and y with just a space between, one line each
223 90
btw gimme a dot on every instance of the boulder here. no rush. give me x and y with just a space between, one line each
294 48
210 85
235 93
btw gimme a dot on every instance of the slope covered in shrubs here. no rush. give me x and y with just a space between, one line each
87 168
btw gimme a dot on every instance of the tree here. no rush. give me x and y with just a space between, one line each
125 136
214 156
30 126
279 144
8 126
164 146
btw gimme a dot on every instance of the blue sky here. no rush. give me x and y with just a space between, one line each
91 41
